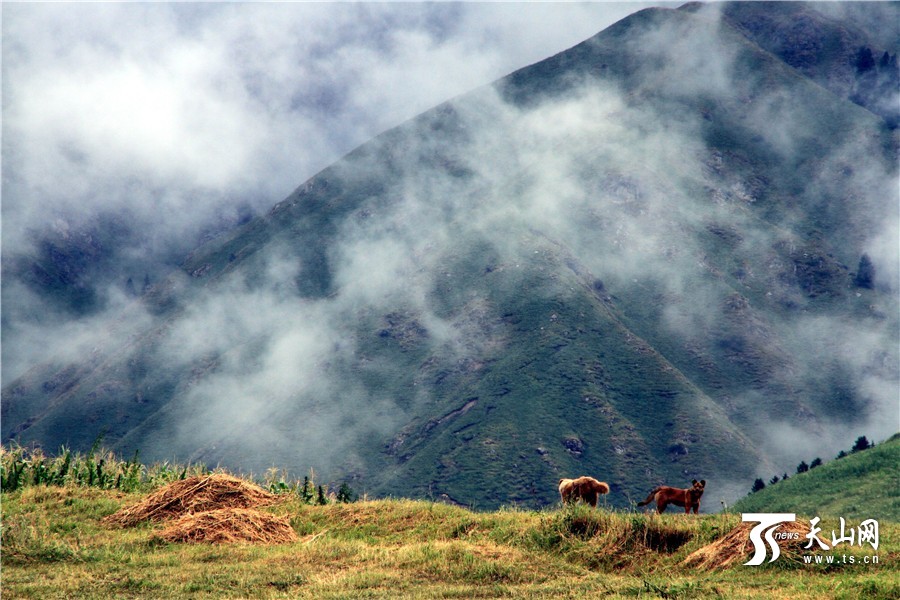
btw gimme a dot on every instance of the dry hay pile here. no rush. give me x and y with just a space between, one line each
229 525
193 495
736 546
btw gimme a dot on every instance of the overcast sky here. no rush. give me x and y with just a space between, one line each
182 111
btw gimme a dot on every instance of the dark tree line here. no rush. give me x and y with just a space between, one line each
862 443
875 84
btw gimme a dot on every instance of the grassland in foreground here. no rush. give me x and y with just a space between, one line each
54 545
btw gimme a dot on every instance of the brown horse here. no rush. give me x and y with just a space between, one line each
665 495
586 489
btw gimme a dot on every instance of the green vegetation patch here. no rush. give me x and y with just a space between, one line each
859 485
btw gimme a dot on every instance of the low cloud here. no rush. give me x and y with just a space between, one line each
251 107
235 100
177 121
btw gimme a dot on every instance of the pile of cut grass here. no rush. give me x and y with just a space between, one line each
193 495
229 526
214 509
735 547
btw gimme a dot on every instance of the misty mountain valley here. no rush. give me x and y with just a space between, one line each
666 254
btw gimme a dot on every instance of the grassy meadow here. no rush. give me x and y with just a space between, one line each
857 486
55 545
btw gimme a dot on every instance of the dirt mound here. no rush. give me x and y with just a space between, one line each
193 495
229 525
736 547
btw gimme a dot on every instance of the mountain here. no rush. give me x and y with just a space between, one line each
847 49
663 254
860 485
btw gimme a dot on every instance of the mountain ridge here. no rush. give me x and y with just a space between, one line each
596 264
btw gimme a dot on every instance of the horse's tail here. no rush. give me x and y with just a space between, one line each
649 498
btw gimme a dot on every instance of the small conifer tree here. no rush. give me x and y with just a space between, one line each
346 494
865 273
861 444
306 492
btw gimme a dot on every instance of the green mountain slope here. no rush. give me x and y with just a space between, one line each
860 485
632 260
832 45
